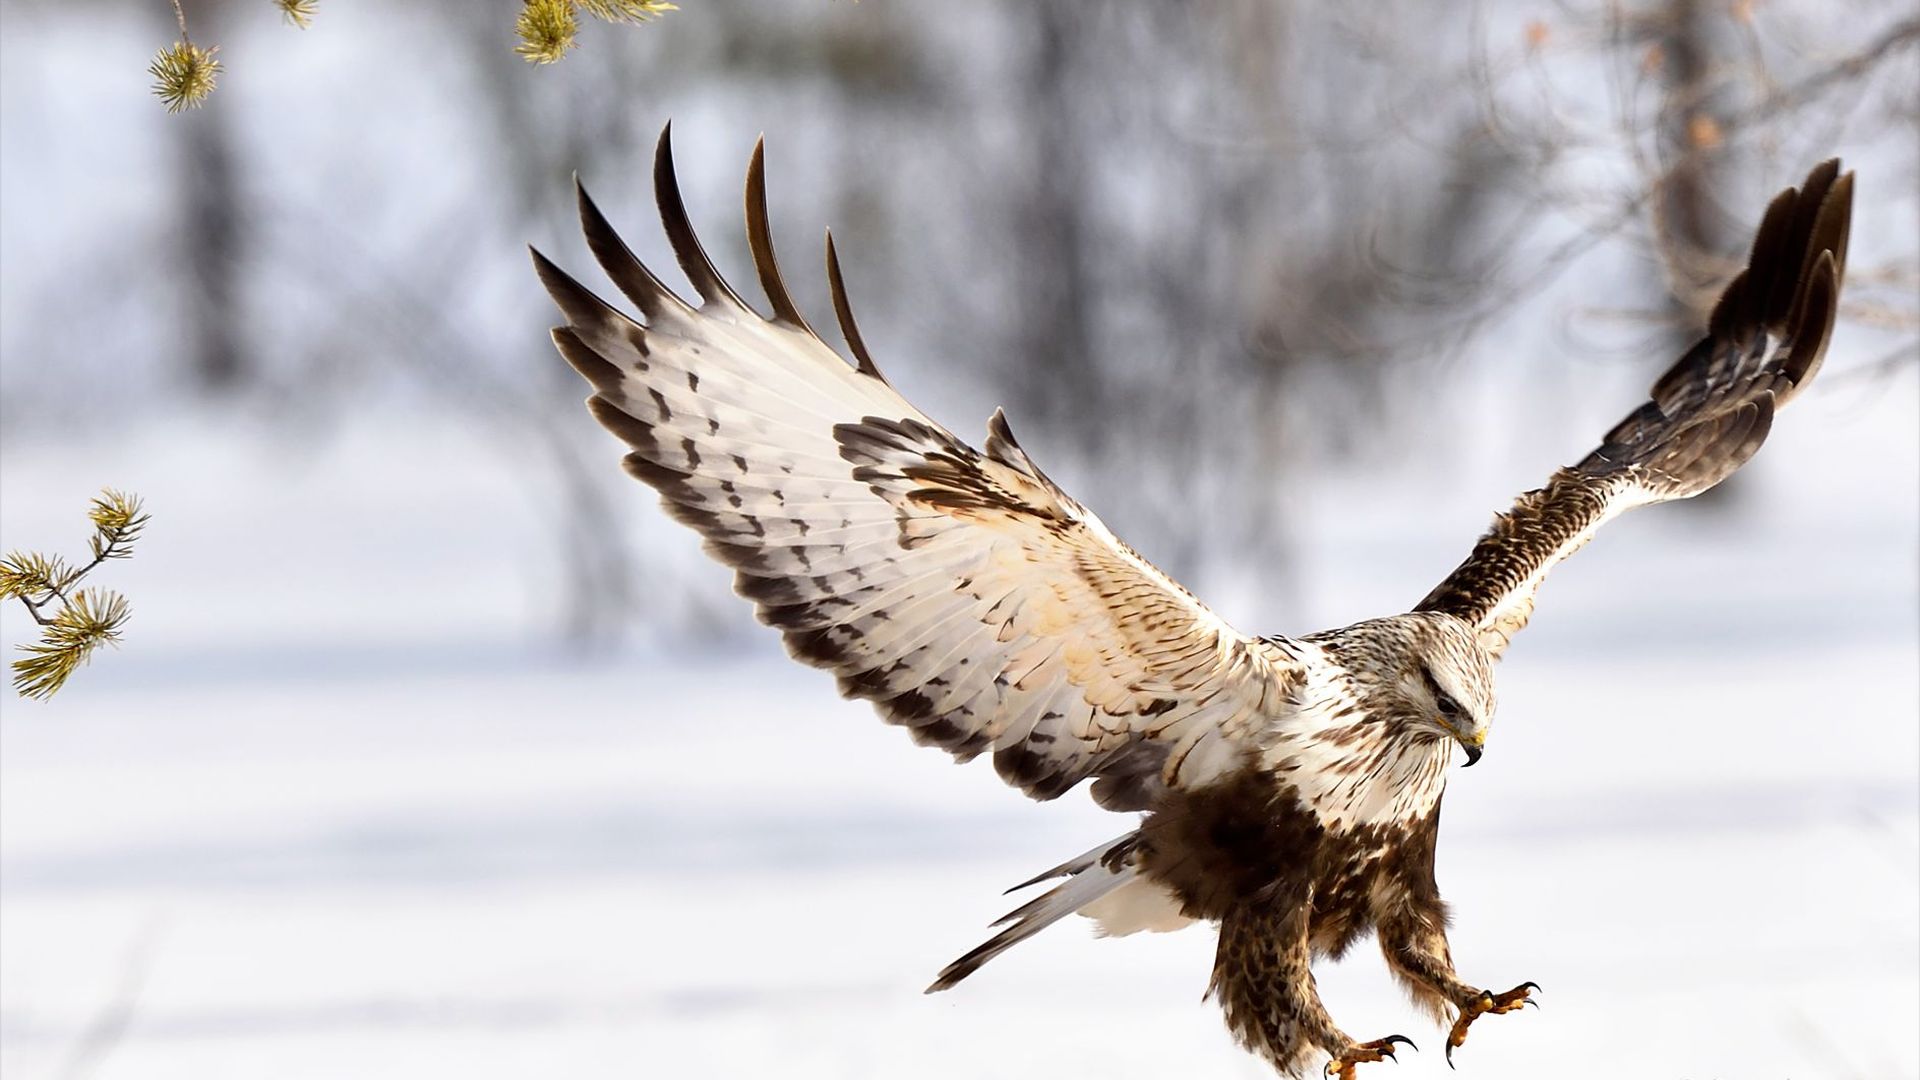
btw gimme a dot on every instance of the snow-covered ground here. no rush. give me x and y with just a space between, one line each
338 809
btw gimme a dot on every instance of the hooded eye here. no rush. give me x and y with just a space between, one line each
1448 707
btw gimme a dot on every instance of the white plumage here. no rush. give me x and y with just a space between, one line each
1291 786
962 592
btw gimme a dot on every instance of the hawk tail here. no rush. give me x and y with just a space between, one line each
1099 884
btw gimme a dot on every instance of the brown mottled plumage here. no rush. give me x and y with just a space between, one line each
1290 787
1706 416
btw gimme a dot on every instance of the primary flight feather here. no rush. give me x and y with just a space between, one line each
1290 786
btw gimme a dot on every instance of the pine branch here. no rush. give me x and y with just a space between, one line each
92 618
35 579
185 75
117 522
548 28
73 624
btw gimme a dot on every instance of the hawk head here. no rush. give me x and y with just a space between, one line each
1454 696
1423 675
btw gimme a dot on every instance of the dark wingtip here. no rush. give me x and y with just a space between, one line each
1816 297
1815 330
592 222
1821 223
561 286
619 262
1789 289
843 312
760 242
579 304
693 260
1834 226
1821 177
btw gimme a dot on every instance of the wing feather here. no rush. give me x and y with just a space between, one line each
962 592
1704 418
692 257
760 240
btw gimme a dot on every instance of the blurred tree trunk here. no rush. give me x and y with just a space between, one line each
1691 136
1056 379
212 214
1690 230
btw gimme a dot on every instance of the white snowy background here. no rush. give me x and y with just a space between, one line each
336 811
342 807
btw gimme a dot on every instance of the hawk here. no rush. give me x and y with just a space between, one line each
1289 787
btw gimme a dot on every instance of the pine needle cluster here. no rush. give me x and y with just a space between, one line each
184 74
74 622
297 12
548 28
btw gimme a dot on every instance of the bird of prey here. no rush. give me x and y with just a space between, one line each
1289 787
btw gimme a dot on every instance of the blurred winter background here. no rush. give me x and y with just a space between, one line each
435 750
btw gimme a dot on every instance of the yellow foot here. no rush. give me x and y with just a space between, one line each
1341 1067
1488 1003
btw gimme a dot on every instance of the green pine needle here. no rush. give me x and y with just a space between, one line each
626 10
547 29
184 74
117 521
91 618
72 623
297 12
32 575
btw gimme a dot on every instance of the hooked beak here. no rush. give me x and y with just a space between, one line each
1473 744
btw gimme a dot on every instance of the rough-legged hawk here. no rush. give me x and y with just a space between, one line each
1290 786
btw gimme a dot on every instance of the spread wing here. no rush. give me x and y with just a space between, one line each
963 593
1707 415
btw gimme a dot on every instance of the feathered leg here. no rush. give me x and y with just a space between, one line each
1413 934
1412 923
1263 978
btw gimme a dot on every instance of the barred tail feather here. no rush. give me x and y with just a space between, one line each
1091 877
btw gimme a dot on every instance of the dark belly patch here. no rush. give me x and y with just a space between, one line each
1249 842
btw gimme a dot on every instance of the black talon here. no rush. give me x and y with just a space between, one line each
1400 1039
1533 986
1450 1063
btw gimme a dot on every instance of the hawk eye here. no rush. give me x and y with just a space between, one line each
1448 707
